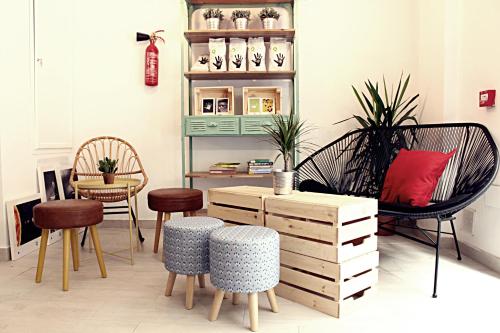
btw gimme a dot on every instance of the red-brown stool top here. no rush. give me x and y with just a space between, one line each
67 214
169 200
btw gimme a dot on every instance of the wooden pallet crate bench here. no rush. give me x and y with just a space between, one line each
328 248
238 205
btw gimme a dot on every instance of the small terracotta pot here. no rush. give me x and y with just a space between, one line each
109 178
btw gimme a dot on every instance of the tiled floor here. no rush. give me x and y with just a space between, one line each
131 298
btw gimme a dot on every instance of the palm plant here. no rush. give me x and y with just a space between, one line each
382 111
286 134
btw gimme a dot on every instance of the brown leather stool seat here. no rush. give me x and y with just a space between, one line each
171 200
69 215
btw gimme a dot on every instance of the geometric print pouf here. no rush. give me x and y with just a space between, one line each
244 259
185 251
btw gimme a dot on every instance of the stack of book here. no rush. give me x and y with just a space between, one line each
224 168
260 166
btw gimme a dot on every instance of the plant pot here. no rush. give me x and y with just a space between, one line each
283 182
109 178
213 23
241 23
269 23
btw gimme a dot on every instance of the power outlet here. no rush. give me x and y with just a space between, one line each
468 218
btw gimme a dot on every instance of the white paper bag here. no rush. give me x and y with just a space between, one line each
237 54
279 55
217 48
256 54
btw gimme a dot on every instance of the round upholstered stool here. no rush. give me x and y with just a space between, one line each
172 200
69 215
244 259
185 249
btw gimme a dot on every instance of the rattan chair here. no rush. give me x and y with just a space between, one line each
356 164
85 166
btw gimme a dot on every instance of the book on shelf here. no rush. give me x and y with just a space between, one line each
260 166
224 168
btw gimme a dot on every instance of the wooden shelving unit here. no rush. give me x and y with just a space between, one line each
202 36
240 75
236 2
206 174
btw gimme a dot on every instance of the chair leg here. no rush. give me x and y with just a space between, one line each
98 250
189 291
159 222
170 283
186 214
271 296
41 255
459 257
253 310
436 266
236 298
201 280
214 311
74 249
82 243
66 245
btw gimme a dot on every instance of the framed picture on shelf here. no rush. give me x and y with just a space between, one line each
268 105
222 106
208 106
254 105
24 235
68 192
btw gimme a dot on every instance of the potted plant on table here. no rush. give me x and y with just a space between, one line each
108 168
287 136
269 16
240 18
213 16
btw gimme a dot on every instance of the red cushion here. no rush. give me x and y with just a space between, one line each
413 176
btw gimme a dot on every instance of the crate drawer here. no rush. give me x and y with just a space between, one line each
254 125
211 126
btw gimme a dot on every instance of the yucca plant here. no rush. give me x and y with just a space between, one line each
382 111
108 165
287 135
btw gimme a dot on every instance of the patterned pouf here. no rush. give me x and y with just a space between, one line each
185 244
244 259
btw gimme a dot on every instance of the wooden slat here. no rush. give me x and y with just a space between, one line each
281 75
206 174
202 36
358 283
359 264
310 282
235 2
309 248
358 229
297 227
348 251
316 302
236 215
226 198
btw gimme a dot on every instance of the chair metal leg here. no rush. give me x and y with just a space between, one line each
82 243
459 256
436 267
135 223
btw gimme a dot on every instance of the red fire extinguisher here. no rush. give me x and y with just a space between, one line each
151 62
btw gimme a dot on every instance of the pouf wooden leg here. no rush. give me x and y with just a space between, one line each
66 245
41 255
189 291
98 250
236 298
271 296
159 221
214 311
201 280
253 310
74 249
170 283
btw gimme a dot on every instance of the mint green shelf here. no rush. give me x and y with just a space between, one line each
226 125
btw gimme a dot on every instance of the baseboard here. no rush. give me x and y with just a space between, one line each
5 254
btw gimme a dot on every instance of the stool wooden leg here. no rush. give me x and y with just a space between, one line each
253 310
98 250
66 245
159 222
201 280
170 283
186 214
41 255
74 249
189 291
236 298
271 296
214 311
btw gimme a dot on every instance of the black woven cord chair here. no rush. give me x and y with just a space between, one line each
356 164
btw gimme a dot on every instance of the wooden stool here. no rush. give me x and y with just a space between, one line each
185 248
69 215
172 200
244 260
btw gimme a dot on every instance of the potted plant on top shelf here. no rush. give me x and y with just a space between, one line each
108 168
287 134
240 18
213 16
269 16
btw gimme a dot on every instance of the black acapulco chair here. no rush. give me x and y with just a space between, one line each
356 164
